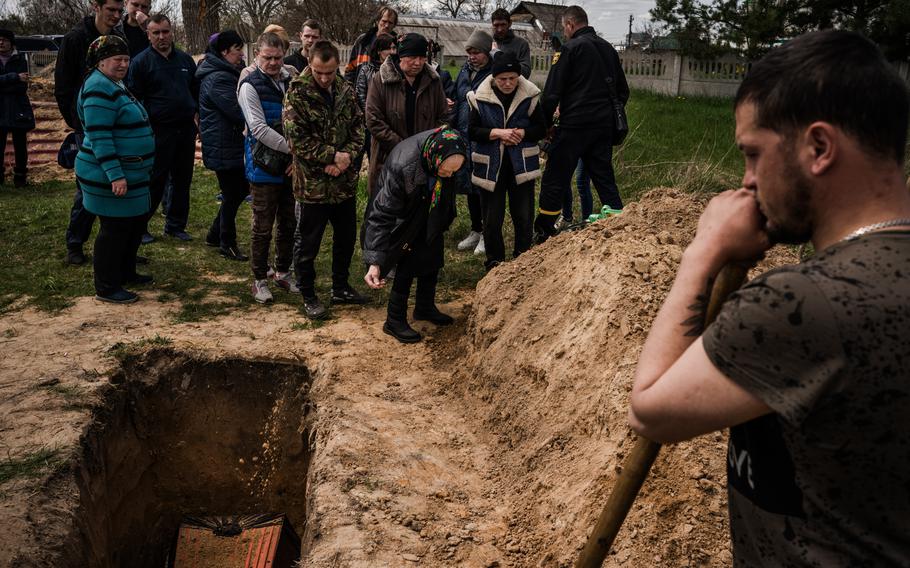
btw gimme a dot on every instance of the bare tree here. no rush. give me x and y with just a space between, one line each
200 20
480 8
52 16
450 8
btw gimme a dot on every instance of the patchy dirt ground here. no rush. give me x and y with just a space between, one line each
492 443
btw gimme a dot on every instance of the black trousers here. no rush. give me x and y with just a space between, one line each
234 188
175 152
115 251
426 283
20 148
595 149
310 227
475 210
521 209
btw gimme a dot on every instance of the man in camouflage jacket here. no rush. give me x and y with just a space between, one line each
324 128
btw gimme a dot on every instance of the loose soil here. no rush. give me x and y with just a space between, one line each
493 443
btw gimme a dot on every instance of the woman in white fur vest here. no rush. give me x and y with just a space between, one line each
505 124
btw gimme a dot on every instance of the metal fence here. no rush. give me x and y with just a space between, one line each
38 60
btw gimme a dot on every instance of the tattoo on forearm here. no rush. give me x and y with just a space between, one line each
695 324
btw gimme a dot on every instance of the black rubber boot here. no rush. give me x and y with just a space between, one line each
19 178
425 302
396 323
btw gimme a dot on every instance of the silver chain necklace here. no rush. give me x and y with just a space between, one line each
874 227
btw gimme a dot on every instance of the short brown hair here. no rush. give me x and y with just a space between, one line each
324 51
386 10
312 24
270 39
158 18
576 14
501 14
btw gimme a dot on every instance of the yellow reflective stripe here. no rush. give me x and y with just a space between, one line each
554 213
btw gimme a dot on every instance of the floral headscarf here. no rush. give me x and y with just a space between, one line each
439 145
105 46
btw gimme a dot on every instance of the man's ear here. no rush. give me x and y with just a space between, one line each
821 145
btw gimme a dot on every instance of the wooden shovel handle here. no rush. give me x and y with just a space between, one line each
639 461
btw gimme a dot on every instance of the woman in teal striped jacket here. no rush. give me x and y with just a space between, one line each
113 168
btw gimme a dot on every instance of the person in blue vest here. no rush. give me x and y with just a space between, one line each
163 78
113 167
506 122
475 70
261 98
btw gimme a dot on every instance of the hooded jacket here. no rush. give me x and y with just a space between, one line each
315 131
221 121
464 84
385 112
15 108
71 68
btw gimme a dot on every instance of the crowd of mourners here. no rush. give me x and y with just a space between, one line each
289 132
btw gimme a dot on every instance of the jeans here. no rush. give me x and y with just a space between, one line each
583 182
234 188
272 203
81 221
521 209
313 220
175 152
115 252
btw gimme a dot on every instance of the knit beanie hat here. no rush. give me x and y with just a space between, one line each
412 45
481 41
505 62
8 34
105 46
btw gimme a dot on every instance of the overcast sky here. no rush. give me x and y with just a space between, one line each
611 17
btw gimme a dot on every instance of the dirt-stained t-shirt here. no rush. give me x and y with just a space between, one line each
825 479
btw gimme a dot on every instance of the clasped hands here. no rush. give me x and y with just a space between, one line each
341 163
508 136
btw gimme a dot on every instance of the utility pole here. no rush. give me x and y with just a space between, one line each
629 39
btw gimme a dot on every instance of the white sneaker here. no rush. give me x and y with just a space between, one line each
480 248
284 281
470 241
261 292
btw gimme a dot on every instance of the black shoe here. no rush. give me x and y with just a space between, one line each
181 235
19 179
120 296
147 238
348 295
401 331
233 253
142 259
313 309
140 279
433 315
75 257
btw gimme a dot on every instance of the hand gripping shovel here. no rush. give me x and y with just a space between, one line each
638 463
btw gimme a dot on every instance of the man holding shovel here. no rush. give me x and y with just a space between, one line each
807 364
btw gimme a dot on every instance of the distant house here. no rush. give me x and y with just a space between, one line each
452 33
545 18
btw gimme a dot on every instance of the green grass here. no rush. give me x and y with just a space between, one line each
674 141
31 465
681 142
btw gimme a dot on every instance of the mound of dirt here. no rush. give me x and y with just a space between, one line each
554 340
